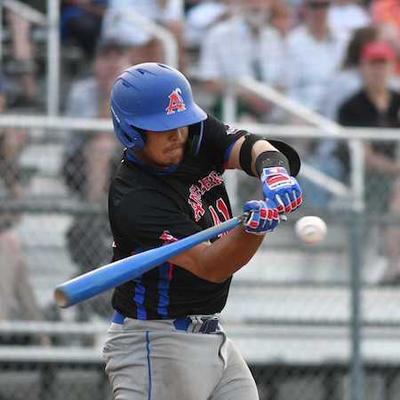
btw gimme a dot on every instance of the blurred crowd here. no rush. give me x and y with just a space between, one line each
340 58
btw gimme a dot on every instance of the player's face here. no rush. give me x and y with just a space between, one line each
164 149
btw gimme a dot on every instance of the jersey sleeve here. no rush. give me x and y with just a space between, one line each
218 140
149 219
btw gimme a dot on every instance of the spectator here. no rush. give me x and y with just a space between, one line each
274 44
200 18
314 55
89 161
348 80
342 85
81 23
23 62
376 105
345 16
386 15
244 45
17 298
144 47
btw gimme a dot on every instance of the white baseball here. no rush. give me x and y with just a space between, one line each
311 229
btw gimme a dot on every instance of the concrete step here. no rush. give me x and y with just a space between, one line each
295 265
311 304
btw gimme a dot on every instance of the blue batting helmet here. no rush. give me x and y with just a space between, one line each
153 97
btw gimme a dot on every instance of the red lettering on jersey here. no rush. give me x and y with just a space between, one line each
206 184
176 102
196 192
166 237
214 215
197 208
224 211
215 179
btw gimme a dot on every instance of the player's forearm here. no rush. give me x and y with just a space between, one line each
228 254
258 148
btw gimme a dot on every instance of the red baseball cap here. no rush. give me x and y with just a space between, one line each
378 51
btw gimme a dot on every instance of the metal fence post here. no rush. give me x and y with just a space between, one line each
53 57
357 373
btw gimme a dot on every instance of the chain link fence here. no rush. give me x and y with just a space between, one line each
296 312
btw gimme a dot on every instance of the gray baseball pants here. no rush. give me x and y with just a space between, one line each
153 360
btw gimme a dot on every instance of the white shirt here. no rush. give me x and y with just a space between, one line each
117 26
273 55
173 9
83 99
344 18
310 65
231 50
200 18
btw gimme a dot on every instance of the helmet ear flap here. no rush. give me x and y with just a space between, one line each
131 137
141 132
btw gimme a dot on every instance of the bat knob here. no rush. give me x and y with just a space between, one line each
60 298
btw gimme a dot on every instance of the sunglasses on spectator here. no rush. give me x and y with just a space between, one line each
318 4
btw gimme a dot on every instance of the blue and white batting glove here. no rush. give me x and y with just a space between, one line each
261 219
281 190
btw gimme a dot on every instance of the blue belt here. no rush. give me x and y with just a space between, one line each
197 324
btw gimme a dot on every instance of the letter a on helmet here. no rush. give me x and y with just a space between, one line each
175 102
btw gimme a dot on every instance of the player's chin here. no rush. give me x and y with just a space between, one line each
170 162
174 158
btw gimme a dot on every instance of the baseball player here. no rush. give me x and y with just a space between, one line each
165 341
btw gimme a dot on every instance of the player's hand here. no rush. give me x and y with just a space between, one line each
281 190
261 218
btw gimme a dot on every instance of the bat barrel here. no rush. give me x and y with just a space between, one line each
111 275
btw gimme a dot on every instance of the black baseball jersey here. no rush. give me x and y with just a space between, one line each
148 210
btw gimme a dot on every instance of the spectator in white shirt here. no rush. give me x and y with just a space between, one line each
200 18
274 44
244 45
118 26
314 55
345 16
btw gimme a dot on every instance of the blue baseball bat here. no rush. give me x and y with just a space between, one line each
92 283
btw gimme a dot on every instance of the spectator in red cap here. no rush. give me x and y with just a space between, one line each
376 105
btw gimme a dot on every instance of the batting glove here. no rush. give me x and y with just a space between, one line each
261 219
280 190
